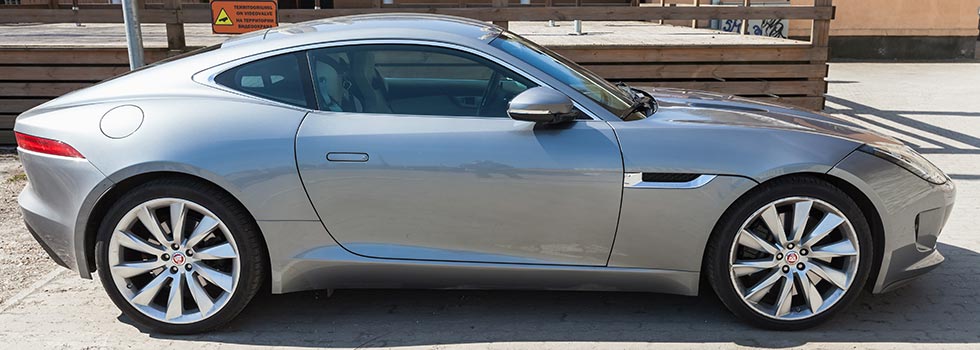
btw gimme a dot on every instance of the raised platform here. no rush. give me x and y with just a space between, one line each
42 61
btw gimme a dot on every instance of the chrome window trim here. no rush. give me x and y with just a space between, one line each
207 76
635 180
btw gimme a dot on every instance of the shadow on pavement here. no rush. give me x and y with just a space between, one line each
941 307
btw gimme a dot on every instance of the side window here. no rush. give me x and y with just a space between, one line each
413 80
280 78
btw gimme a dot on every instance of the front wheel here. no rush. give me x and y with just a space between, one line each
179 256
790 254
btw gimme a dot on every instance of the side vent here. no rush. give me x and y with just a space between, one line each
666 180
669 177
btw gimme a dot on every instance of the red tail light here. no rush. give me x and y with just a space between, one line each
46 146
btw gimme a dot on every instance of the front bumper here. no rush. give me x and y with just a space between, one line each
912 211
58 190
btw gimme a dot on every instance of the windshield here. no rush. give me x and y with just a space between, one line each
595 88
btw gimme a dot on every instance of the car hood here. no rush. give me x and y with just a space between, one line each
699 107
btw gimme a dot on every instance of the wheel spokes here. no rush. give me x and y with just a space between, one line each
829 222
801 212
748 267
152 224
785 299
218 278
175 302
132 269
810 292
201 298
131 241
178 214
833 250
834 276
753 241
775 224
205 227
218 252
150 290
762 288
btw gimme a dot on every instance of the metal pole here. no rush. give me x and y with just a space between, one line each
134 36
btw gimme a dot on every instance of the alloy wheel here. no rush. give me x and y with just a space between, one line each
174 260
794 258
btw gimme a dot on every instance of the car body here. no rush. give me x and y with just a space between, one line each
370 199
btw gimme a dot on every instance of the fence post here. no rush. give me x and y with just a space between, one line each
663 3
745 21
175 31
694 22
497 4
820 43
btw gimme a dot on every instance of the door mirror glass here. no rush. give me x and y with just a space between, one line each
541 105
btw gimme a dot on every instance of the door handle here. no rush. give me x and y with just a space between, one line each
347 157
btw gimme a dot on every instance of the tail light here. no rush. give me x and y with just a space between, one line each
46 146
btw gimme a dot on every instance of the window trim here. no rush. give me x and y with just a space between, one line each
207 76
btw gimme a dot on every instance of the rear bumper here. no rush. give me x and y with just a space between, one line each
912 211
58 190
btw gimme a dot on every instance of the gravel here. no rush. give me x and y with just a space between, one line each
22 260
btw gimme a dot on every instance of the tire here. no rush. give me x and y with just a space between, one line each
737 264
161 287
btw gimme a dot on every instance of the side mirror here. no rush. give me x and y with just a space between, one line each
541 105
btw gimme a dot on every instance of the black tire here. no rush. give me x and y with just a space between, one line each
242 227
724 235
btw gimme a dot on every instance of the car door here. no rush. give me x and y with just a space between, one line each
415 158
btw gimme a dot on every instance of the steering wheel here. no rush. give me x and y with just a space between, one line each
492 91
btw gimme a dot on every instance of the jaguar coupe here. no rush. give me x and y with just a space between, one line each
424 151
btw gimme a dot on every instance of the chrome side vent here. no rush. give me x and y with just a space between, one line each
666 180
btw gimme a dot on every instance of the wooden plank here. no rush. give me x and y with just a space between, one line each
608 13
7 138
693 54
804 87
89 15
601 13
19 105
707 71
77 73
39 89
7 123
76 56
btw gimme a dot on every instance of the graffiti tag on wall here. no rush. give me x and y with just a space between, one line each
775 28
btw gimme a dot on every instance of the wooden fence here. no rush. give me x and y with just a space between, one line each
792 74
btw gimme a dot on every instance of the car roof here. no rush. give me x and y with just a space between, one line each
410 26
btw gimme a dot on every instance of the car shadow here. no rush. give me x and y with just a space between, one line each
941 307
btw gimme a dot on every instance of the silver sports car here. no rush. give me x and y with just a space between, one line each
418 151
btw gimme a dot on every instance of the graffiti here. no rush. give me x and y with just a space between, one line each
771 27
732 25
775 28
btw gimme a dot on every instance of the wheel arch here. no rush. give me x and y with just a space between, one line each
864 203
120 188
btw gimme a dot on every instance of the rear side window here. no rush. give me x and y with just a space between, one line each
283 78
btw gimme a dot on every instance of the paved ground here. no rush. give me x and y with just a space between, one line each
934 106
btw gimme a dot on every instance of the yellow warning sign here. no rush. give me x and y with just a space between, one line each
243 16
223 19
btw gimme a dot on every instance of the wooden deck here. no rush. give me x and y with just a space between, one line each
42 61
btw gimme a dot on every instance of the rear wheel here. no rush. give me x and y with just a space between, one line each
179 256
790 254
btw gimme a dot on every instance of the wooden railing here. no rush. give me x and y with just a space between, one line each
174 13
